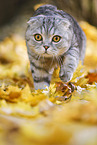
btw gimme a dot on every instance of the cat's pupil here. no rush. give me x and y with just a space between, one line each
56 38
38 37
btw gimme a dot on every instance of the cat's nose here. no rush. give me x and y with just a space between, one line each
46 47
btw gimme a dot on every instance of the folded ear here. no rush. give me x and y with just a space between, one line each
66 23
34 19
63 21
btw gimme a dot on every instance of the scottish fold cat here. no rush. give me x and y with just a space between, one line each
53 39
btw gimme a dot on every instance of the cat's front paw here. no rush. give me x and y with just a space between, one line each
66 76
40 85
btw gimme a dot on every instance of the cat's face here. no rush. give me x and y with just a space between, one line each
48 36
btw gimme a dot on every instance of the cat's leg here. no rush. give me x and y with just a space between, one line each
40 76
70 63
41 82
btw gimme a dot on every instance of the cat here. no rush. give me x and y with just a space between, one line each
53 39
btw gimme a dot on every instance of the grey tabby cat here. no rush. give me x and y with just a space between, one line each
53 39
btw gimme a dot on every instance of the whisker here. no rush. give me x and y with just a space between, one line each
39 57
52 61
43 61
59 60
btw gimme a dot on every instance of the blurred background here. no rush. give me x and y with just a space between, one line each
15 13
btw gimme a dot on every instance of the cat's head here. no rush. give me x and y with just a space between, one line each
48 36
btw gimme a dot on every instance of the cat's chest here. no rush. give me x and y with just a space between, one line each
49 65
43 66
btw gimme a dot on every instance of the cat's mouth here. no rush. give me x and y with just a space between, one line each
45 51
46 54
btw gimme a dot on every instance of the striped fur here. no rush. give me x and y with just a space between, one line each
49 22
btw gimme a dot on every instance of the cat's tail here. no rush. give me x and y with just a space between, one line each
44 9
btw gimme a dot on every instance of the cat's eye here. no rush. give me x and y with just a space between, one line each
38 37
56 38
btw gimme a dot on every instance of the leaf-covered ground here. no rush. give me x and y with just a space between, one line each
63 114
